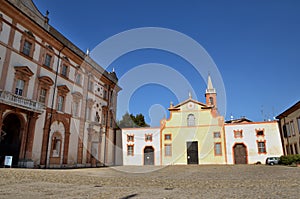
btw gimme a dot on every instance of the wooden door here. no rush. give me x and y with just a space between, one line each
240 154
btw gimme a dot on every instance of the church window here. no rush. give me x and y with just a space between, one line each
168 137
168 149
217 134
191 120
218 148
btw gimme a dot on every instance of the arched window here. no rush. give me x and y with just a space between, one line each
191 120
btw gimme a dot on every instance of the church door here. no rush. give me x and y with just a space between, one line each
192 152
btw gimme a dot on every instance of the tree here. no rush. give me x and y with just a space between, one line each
131 121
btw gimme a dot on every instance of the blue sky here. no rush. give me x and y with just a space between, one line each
254 44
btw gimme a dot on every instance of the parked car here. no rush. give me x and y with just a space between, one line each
272 160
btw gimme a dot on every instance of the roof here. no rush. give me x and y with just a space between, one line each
187 101
28 8
289 110
240 120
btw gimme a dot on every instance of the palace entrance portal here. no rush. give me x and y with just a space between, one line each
10 138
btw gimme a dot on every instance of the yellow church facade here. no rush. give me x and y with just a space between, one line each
194 132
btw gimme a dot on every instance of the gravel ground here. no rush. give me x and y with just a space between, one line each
236 181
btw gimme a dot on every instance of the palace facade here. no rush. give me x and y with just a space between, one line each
289 122
57 106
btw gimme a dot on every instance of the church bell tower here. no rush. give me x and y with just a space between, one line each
211 94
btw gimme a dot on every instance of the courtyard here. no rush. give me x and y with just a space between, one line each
230 181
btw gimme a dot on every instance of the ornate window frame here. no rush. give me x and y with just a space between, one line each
22 73
62 91
76 104
45 82
27 36
49 51
65 63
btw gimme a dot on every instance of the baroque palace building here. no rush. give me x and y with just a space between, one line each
57 106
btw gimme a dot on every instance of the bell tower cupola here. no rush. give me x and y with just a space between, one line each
211 94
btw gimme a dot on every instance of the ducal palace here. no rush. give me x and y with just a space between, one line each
56 104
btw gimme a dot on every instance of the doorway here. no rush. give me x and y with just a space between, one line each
192 152
240 154
149 155
10 139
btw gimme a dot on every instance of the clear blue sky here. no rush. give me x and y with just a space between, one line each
254 43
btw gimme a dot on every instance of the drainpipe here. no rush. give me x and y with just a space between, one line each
52 106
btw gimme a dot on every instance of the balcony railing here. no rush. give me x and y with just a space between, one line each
21 102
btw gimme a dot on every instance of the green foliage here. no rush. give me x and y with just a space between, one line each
290 159
131 121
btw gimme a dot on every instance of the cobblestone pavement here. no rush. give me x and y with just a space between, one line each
236 181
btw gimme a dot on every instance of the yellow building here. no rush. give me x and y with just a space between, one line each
194 133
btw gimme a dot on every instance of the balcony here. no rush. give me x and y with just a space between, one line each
21 102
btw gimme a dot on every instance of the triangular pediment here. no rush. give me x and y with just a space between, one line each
24 70
188 101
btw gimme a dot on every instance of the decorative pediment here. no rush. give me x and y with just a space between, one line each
63 89
29 34
190 101
77 95
46 80
24 70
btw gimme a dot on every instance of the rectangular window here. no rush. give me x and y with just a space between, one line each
60 103
238 134
148 137
27 48
64 70
111 122
130 138
292 128
168 150
292 150
296 148
130 149
105 94
88 113
261 147
298 122
288 131
218 149
75 109
78 79
20 87
168 137
217 135
259 132
47 61
43 94
90 86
